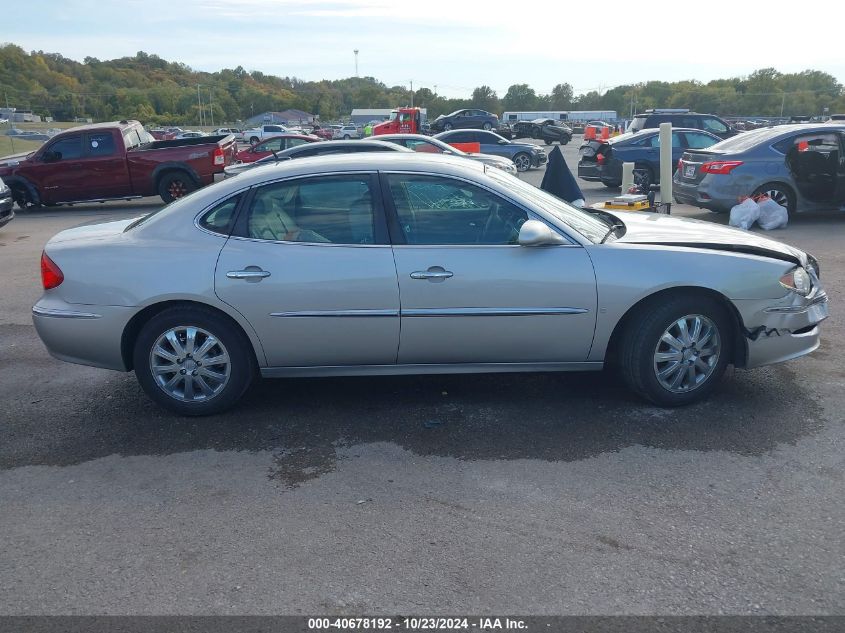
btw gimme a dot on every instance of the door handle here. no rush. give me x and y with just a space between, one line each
250 274
435 273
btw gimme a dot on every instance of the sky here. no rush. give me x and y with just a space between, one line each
448 46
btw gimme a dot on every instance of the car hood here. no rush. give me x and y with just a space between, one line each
655 228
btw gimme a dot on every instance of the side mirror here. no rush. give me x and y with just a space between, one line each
502 142
536 233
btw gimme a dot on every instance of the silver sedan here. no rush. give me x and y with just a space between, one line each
400 263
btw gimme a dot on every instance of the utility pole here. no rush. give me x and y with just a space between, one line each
211 107
435 90
412 93
199 103
356 61
782 103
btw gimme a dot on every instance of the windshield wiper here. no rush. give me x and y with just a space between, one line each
612 230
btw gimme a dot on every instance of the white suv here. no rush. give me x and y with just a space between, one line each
346 132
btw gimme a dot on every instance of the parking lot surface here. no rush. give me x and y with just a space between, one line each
533 494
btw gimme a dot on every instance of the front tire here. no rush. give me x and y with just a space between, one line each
192 361
487 126
675 351
522 162
447 127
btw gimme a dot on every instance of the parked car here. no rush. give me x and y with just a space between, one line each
464 119
466 270
429 145
275 144
546 130
110 161
309 150
602 160
189 134
223 131
503 129
7 213
325 133
524 155
257 134
346 132
799 166
682 118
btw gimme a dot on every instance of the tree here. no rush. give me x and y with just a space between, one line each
561 97
485 98
520 97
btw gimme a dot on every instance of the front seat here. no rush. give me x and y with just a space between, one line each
268 223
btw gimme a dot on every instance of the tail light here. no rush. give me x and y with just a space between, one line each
51 274
720 166
600 158
680 164
219 158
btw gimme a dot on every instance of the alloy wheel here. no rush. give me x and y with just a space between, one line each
687 353
190 364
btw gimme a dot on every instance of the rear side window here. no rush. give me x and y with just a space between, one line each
220 219
100 144
639 123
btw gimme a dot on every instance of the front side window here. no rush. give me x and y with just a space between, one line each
293 142
433 210
325 210
273 145
69 148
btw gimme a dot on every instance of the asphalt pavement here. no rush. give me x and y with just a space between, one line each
530 494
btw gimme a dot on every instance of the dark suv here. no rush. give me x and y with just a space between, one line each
683 118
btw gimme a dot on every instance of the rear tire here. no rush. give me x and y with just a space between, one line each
254 140
548 141
654 354
174 185
346 137
780 193
230 348
487 126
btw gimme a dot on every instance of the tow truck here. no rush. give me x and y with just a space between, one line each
402 121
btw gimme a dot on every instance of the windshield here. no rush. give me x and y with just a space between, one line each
590 226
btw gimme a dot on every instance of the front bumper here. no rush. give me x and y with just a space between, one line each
779 331
538 159
82 334
590 171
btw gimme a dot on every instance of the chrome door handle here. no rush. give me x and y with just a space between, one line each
249 275
432 274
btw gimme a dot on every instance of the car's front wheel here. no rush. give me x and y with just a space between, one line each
193 361
447 126
522 162
675 351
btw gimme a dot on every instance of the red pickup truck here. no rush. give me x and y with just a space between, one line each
114 161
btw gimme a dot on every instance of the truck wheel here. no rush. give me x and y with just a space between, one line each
254 140
175 184
22 197
346 137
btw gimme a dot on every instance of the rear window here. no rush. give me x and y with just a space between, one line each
638 123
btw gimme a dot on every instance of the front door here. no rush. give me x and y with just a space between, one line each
469 293
310 267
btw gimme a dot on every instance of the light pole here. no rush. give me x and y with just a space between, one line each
199 103
412 93
356 61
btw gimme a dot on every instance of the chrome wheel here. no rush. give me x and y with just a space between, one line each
190 364
687 353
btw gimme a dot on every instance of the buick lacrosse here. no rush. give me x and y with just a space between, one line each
412 264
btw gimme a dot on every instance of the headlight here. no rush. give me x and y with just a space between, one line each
797 280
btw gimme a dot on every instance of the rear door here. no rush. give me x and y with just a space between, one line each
106 165
310 266
469 292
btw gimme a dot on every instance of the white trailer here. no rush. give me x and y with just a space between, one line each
579 116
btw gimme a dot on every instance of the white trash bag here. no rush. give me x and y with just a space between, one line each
745 214
772 215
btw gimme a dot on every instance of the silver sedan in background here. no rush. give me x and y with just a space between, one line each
400 263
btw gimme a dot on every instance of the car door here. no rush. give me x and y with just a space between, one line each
310 267
469 292
58 171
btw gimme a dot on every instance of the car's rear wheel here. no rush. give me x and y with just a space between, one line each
522 162
487 126
675 351
781 194
346 137
193 361
548 141
174 185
